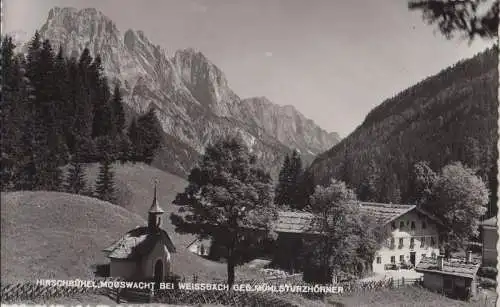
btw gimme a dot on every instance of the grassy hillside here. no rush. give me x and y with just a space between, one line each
135 188
58 235
452 116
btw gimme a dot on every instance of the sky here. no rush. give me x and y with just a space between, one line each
334 60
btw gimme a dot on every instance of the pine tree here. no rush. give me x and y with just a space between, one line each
306 186
76 181
38 171
282 197
83 104
145 135
105 188
12 114
369 187
124 147
295 177
133 135
118 113
53 150
103 121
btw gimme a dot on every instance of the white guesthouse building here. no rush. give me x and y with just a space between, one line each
143 253
411 233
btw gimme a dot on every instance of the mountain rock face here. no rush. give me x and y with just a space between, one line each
194 102
286 124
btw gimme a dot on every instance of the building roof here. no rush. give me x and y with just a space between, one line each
384 213
304 222
492 222
295 222
455 267
137 243
206 242
155 206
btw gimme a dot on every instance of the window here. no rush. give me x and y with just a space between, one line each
400 243
412 225
422 242
424 255
424 225
392 243
393 259
393 225
433 242
412 243
379 260
401 224
401 258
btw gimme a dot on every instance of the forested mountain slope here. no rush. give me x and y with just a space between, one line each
452 116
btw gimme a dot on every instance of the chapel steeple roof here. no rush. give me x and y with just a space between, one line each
155 206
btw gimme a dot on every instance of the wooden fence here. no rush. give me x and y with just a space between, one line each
31 291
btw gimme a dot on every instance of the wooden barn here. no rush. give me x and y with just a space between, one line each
143 253
453 277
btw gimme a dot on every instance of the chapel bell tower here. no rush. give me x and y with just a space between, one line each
155 212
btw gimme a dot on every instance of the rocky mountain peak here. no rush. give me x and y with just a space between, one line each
206 81
88 21
194 102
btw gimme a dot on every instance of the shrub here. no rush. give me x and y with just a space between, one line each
487 282
488 271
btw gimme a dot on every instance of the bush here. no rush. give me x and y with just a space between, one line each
487 283
488 271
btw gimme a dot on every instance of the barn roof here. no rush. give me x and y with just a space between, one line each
138 243
303 222
492 222
295 222
455 267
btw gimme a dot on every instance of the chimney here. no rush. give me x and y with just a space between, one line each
468 258
440 262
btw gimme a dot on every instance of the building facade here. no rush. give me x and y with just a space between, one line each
410 237
490 239
411 233
200 247
144 253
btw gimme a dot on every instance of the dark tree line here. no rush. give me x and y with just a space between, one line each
59 111
452 116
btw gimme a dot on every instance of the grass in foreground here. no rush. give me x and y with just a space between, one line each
408 297
57 235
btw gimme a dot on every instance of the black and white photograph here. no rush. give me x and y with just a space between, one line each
249 152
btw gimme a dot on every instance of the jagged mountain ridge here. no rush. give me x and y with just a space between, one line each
263 113
192 97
